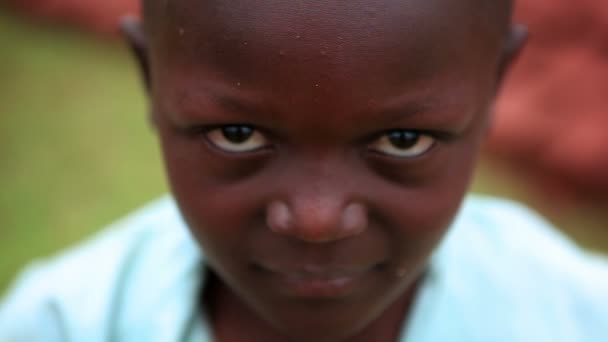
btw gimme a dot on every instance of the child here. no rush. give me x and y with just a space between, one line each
318 153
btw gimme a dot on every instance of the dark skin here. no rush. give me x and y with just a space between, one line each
319 153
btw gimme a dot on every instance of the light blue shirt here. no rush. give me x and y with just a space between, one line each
501 274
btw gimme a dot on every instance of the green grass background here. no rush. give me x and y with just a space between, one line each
76 151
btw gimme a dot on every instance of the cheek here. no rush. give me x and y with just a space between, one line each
215 213
212 208
433 206
418 220
421 215
221 221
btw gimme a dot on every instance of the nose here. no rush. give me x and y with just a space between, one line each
317 218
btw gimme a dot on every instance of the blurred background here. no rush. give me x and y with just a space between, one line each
76 150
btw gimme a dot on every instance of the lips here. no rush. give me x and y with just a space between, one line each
314 281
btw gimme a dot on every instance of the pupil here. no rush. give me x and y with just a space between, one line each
403 139
237 134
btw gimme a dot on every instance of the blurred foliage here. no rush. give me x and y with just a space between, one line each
77 152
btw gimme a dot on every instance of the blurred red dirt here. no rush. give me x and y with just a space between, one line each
552 118
100 16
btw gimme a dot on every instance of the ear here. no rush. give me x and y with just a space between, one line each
516 40
132 30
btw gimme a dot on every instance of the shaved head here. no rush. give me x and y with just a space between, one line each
416 32
495 14
498 9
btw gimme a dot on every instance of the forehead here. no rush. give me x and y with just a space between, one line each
344 51
402 35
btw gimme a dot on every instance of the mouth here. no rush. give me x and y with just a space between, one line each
314 281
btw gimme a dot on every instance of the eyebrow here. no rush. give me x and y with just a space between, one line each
426 110
406 108
240 105
194 103
402 110
409 110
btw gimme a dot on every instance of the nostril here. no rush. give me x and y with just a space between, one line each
278 217
354 219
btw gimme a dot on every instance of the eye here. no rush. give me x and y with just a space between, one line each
236 138
403 144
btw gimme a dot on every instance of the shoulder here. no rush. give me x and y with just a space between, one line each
79 291
507 231
509 263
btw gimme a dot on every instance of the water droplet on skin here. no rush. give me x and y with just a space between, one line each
298 36
245 43
317 85
181 31
238 84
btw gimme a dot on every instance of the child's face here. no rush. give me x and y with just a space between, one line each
320 152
